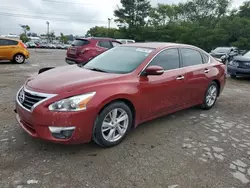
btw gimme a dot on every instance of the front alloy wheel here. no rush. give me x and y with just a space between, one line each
115 125
112 124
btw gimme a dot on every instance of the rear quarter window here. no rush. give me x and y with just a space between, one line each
80 42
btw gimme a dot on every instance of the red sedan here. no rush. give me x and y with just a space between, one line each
116 91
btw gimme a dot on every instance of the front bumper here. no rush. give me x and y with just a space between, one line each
27 54
231 70
37 123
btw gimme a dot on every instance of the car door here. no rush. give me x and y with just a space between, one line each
196 74
7 47
103 46
163 93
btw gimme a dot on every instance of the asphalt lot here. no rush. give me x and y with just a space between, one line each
188 149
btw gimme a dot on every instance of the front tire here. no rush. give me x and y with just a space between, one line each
210 96
19 58
112 124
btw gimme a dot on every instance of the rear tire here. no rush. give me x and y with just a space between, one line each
112 124
19 58
210 97
233 76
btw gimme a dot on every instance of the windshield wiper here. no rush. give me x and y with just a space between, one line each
96 69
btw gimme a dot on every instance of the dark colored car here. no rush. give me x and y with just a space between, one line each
239 66
226 54
84 49
117 91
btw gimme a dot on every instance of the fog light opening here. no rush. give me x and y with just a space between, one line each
62 132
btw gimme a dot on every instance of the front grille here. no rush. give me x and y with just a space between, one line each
244 65
28 100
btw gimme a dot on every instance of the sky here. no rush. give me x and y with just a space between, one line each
66 16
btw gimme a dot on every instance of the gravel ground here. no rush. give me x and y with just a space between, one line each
188 149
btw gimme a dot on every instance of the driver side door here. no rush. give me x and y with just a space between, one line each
163 94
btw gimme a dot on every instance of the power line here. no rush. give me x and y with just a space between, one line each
50 18
28 11
71 2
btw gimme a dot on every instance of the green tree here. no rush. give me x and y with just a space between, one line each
24 38
25 28
244 10
102 32
132 18
63 38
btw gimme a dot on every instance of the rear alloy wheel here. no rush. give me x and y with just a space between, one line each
112 124
210 96
19 58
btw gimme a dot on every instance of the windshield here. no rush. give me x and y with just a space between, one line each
119 59
80 42
222 50
247 54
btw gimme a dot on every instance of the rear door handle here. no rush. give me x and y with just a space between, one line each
180 78
98 50
206 70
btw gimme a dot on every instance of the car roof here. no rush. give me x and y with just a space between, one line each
158 45
95 38
10 39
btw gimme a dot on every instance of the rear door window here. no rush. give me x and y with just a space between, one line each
80 42
190 57
105 44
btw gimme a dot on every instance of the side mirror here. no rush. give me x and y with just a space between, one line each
153 70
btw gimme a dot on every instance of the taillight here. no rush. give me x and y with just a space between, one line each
84 50
23 45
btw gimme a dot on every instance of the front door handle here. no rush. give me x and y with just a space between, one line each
206 71
180 78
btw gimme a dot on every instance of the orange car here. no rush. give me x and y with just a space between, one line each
13 50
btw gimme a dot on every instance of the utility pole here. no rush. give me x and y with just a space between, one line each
109 21
47 31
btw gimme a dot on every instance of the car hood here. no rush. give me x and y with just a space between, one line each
242 58
68 78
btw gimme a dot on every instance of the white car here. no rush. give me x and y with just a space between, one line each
126 41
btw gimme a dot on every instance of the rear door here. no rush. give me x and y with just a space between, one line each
103 45
77 47
197 71
164 93
7 47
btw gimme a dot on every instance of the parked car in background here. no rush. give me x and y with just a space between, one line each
226 54
59 46
51 46
13 50
117 90
31 45
43 45
66 46
84 49
126 41
239 66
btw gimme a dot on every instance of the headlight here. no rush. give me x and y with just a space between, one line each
75 103
223 57
233 63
